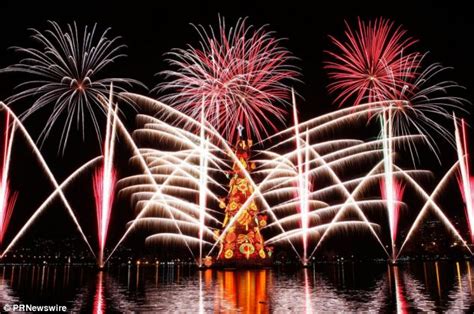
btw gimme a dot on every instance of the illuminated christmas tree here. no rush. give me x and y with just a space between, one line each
242 242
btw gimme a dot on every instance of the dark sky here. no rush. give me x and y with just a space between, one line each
151 28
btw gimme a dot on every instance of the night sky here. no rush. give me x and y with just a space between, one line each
151 28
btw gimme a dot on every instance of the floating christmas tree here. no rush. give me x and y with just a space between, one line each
242 242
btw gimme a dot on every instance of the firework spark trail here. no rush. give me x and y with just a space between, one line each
305 199
281 161
340 144
292 203
302 176
159 158
49 174
185 140
430 203
104 181
338 163
426 206
325 209
66 75
465 181
186 171
7 199
374 178
179 207
361 146
397 196
182 168
349 200
351 113
169 222
185 210
350 151
334 120
324 167
171 187
297 233
391 191
388 168
178 169
90 164
277 159
203 183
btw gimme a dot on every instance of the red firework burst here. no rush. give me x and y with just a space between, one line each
371 61
237 74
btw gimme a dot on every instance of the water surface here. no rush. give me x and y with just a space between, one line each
349 287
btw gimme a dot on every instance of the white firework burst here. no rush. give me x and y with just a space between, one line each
66 75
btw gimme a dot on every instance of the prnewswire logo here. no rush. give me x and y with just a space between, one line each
34 308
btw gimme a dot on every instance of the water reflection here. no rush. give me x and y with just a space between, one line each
243 290
99 301
307 293
6 293
346 287
401 302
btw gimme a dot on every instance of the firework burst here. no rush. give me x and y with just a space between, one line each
369 62
422 100
237 74
66 74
